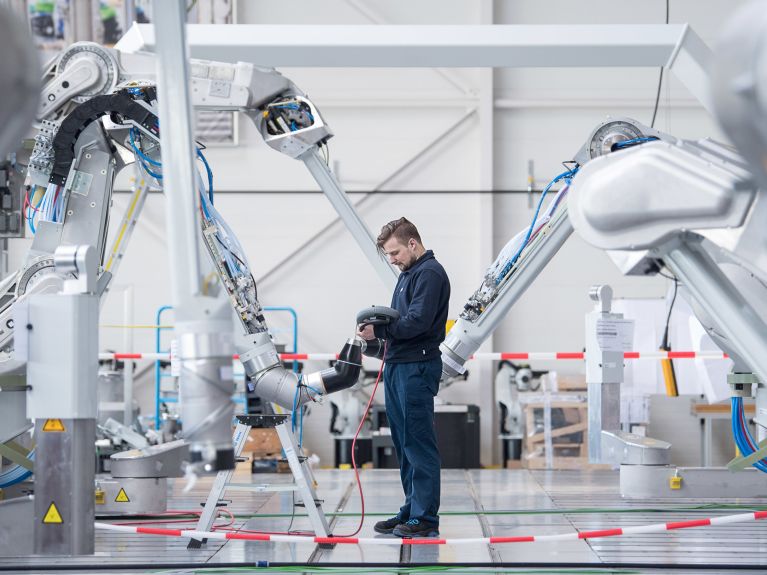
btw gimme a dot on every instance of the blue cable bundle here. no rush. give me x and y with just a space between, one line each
567 176
143 158
632 142
743 438
16 474
210 174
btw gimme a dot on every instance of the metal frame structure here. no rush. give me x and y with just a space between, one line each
677 47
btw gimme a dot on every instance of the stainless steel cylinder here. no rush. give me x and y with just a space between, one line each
205 388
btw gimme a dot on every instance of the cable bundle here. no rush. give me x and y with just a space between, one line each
742 434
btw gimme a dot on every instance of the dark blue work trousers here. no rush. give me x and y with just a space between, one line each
410 390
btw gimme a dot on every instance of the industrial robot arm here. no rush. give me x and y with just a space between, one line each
527 254
286 119
691 206
133 125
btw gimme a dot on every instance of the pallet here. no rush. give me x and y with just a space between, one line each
576 421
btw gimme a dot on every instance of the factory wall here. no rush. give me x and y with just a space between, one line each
382 119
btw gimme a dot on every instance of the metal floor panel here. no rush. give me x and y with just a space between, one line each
743 544
534 502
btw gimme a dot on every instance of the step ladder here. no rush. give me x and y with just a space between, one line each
299 466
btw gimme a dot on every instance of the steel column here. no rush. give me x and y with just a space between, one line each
64 478
176 138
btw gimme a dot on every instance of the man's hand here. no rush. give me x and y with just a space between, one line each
366 332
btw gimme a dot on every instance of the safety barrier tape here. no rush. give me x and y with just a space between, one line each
620 531
518 356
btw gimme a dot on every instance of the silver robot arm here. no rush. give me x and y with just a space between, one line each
527 254
698 206
694 208
87 83
133 125
287 120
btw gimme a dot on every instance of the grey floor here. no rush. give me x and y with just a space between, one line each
533 502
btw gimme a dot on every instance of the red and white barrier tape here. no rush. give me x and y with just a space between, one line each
620 531
513 356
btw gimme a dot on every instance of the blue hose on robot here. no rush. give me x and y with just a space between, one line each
743 438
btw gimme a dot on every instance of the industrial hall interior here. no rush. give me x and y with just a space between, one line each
383 286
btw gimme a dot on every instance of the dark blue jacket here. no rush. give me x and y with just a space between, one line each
421 297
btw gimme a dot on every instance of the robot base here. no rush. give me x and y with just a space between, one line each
671 482
131 495
17 532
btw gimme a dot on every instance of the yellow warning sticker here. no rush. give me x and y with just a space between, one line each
122 497
52 515
53 425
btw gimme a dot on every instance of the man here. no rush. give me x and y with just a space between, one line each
412 374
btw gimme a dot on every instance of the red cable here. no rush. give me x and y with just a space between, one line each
354 443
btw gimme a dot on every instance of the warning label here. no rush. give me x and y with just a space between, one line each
122 497
615 334
53 425
52 515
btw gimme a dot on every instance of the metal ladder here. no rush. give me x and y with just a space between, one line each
302 474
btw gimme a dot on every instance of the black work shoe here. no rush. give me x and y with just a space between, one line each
416 528
388 525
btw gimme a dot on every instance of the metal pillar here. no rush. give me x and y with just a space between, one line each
80 22
57 335
203 325
177 146
604 369
128 366
487 251
64 479
334 192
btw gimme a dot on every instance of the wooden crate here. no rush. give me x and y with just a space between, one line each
569 383
568 454
263 443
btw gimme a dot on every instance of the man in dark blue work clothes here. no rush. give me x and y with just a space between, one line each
412 373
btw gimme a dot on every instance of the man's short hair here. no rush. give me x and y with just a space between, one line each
402 229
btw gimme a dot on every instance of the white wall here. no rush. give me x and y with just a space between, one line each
382 118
